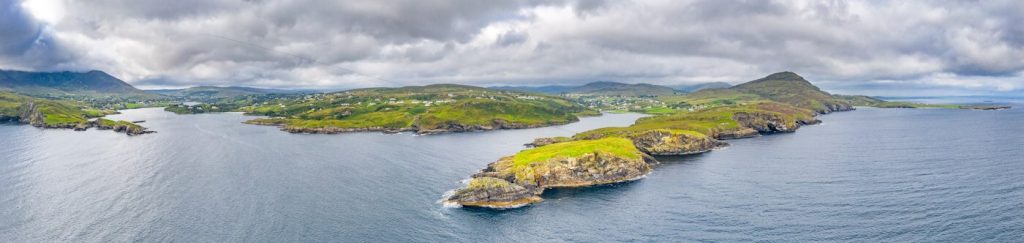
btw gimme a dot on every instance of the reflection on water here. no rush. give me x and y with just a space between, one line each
871 175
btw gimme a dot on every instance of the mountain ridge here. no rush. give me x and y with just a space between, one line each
88 83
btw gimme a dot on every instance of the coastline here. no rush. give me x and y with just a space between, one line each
479 197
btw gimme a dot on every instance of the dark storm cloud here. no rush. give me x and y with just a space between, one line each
976 45
25 43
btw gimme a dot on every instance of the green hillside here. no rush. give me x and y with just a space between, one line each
790 88
785 87
68 84
213 93
424 109
44 112
702 86
621 89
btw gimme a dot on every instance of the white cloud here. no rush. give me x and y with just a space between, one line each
316 44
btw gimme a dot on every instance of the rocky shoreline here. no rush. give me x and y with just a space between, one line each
452 127
502 185
985 107
29 114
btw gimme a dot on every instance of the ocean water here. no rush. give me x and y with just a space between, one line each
871 175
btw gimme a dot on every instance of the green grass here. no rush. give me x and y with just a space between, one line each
660 111
712 97
406 108
900 104
56 113
488 183
527 165
704 122
106 122
617 146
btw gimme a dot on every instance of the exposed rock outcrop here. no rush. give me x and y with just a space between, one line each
505 183
546 141
119 126
838 106
767 123
668 142
985 107
448 127
496 124
494 193
29 113
743 132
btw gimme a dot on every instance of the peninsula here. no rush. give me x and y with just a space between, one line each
778 103
48 113
431 109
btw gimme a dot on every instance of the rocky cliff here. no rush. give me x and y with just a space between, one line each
518 180
494 193
447 127
29 113
669 142
496 124
125 127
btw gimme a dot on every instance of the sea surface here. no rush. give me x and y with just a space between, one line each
871 175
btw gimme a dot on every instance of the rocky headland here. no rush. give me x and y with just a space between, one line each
519 180
779 103
443 128
34 114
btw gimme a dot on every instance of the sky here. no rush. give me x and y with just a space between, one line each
911 47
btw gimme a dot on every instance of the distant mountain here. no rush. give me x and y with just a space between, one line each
215 92
702 86
790 88
600 88
605 88
65 83
430 109
551 89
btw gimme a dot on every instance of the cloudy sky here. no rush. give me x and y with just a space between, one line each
871 47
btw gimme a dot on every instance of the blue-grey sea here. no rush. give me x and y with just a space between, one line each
871 175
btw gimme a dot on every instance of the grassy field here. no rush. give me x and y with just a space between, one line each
55 113
705 122
422 107
616 146
526 165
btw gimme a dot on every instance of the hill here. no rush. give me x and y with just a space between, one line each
550 89
205 93
620 89
47 113
702 86
427 109
860 100
91 83
790 88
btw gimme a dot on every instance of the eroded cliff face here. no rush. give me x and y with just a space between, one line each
120 126
768 123
447 127
496 124
494 193
547 141
526 182
668 142
742 132
837 106
29 113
